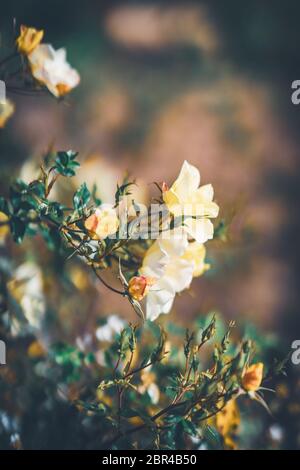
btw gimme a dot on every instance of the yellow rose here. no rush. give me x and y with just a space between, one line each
29 39
196 253
252 377
6 111
4 229
102 223
138 286
195 204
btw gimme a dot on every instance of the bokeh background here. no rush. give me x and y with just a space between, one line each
164 81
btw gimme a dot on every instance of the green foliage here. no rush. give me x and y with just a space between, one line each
190 389
81 198
65 163
123 190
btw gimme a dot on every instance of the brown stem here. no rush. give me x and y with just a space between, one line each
138 369
117 291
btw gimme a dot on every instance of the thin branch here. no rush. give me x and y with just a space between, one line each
117 291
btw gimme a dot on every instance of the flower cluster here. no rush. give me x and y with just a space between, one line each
144 390
176 260
146 387
154 270
40 67
48 66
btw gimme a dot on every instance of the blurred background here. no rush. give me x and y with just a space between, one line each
164 81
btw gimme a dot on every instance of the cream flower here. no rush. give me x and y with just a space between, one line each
195 204
51 68
103 222
165 261
196 253
6 111
173 263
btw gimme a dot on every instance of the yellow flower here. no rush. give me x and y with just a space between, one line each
50 68
227 422
4 229
36 350
196 253
29 39
6 111
195 204
139 286
102 223
252 377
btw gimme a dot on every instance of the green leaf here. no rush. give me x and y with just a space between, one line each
4 206
38 188
95 198
221 231
51 237
65 163
81 197
122 191
129 412
18 228
158 352
213 438
189 427
55 211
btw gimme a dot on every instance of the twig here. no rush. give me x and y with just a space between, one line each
117 291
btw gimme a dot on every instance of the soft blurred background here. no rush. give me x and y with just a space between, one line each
164 81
